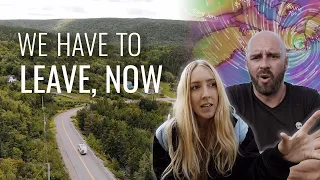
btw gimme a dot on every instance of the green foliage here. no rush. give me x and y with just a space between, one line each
94 143
81 116
168 77
123 132
22 152
9 168
116 169
168 32
148 105
144 170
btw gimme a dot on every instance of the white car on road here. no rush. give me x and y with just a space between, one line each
82 148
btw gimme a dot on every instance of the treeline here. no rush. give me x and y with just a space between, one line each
120 131
153 32
123 133
172 58
24 147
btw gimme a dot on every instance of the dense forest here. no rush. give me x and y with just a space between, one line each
154 32
120 132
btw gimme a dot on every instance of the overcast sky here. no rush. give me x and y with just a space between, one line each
71 9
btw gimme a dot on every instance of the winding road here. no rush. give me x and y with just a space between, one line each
80 167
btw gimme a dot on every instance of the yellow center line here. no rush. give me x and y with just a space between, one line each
76 150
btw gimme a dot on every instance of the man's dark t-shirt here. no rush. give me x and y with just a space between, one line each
297 106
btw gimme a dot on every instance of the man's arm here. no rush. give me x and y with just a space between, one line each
308 169
251 165
274 163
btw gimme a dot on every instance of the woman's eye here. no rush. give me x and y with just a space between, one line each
213 84
195 87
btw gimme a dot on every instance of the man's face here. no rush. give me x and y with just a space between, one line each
266 64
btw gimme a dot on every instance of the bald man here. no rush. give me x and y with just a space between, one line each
270 105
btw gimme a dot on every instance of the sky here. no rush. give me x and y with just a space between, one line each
75 9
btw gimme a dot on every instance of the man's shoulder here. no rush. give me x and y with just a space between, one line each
239 88
302 90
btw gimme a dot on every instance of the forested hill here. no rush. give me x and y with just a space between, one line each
120 131
152 31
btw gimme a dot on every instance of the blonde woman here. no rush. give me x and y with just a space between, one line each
205 139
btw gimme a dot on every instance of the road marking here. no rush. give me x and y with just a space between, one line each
76 150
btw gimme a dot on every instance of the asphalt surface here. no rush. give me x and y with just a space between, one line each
80 167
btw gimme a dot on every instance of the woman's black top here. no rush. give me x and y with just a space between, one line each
249 165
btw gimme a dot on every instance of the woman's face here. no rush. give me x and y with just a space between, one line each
203 93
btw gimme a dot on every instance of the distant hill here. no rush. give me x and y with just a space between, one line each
152 31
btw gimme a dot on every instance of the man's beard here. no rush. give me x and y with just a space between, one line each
268 90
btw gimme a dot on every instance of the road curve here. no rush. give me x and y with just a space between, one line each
80 167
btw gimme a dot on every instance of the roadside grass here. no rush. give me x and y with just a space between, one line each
166 90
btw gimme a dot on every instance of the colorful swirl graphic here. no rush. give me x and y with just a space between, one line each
225 27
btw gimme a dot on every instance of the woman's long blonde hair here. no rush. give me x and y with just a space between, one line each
221 146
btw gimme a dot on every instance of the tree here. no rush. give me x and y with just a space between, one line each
9 168
145 171
81 116
148 105
114 140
